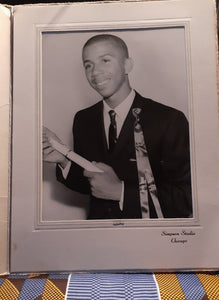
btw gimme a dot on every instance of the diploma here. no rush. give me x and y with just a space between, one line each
81 161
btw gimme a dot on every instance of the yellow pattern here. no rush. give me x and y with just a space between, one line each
169 287
211 285
8 291
52 292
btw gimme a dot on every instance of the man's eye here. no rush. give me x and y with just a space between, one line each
106 60
87 66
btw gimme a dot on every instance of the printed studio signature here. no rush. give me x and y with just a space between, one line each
178 237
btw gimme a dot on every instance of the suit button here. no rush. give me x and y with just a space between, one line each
109 212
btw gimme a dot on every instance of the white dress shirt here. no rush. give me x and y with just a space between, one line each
121 113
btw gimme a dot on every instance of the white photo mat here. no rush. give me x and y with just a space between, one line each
84 245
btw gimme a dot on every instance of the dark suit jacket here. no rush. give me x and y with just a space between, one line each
167 141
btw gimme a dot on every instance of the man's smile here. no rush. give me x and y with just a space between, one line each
100 83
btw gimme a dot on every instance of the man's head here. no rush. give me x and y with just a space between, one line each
107 64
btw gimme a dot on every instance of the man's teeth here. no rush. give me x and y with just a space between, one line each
101 83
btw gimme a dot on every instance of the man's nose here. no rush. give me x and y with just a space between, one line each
97 69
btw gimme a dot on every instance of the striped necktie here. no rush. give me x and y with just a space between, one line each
145 176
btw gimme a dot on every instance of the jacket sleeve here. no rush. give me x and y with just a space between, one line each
174 187
75 179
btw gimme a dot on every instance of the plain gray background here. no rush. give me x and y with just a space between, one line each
159 73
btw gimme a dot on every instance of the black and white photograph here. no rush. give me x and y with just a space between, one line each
118 99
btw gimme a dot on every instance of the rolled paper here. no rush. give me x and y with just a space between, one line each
81 161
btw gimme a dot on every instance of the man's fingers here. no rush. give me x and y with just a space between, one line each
46 131
88 174
48 134
46 144
46 156
102 166
48 150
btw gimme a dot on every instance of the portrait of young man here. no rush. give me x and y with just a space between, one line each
141 145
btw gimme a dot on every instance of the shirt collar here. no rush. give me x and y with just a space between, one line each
123 108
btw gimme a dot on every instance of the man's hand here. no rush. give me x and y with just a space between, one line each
49 153
104 185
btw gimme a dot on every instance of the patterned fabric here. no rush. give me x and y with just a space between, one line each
191 286
9 289
112 287
32 286
112 130
145 175
170 287
174 286
188 286
32 289
210 283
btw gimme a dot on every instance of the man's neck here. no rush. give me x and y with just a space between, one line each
117 98
121 108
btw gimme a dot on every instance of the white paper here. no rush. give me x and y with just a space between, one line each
81 161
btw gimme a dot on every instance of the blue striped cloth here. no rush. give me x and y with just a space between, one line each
191 286
112 287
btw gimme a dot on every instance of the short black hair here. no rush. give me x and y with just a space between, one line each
108 37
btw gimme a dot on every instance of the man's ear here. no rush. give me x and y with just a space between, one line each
128 65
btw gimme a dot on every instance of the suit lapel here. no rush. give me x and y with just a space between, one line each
147 121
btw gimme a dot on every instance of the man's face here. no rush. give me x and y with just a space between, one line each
104 64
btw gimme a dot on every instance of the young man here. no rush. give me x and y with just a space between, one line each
141 145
